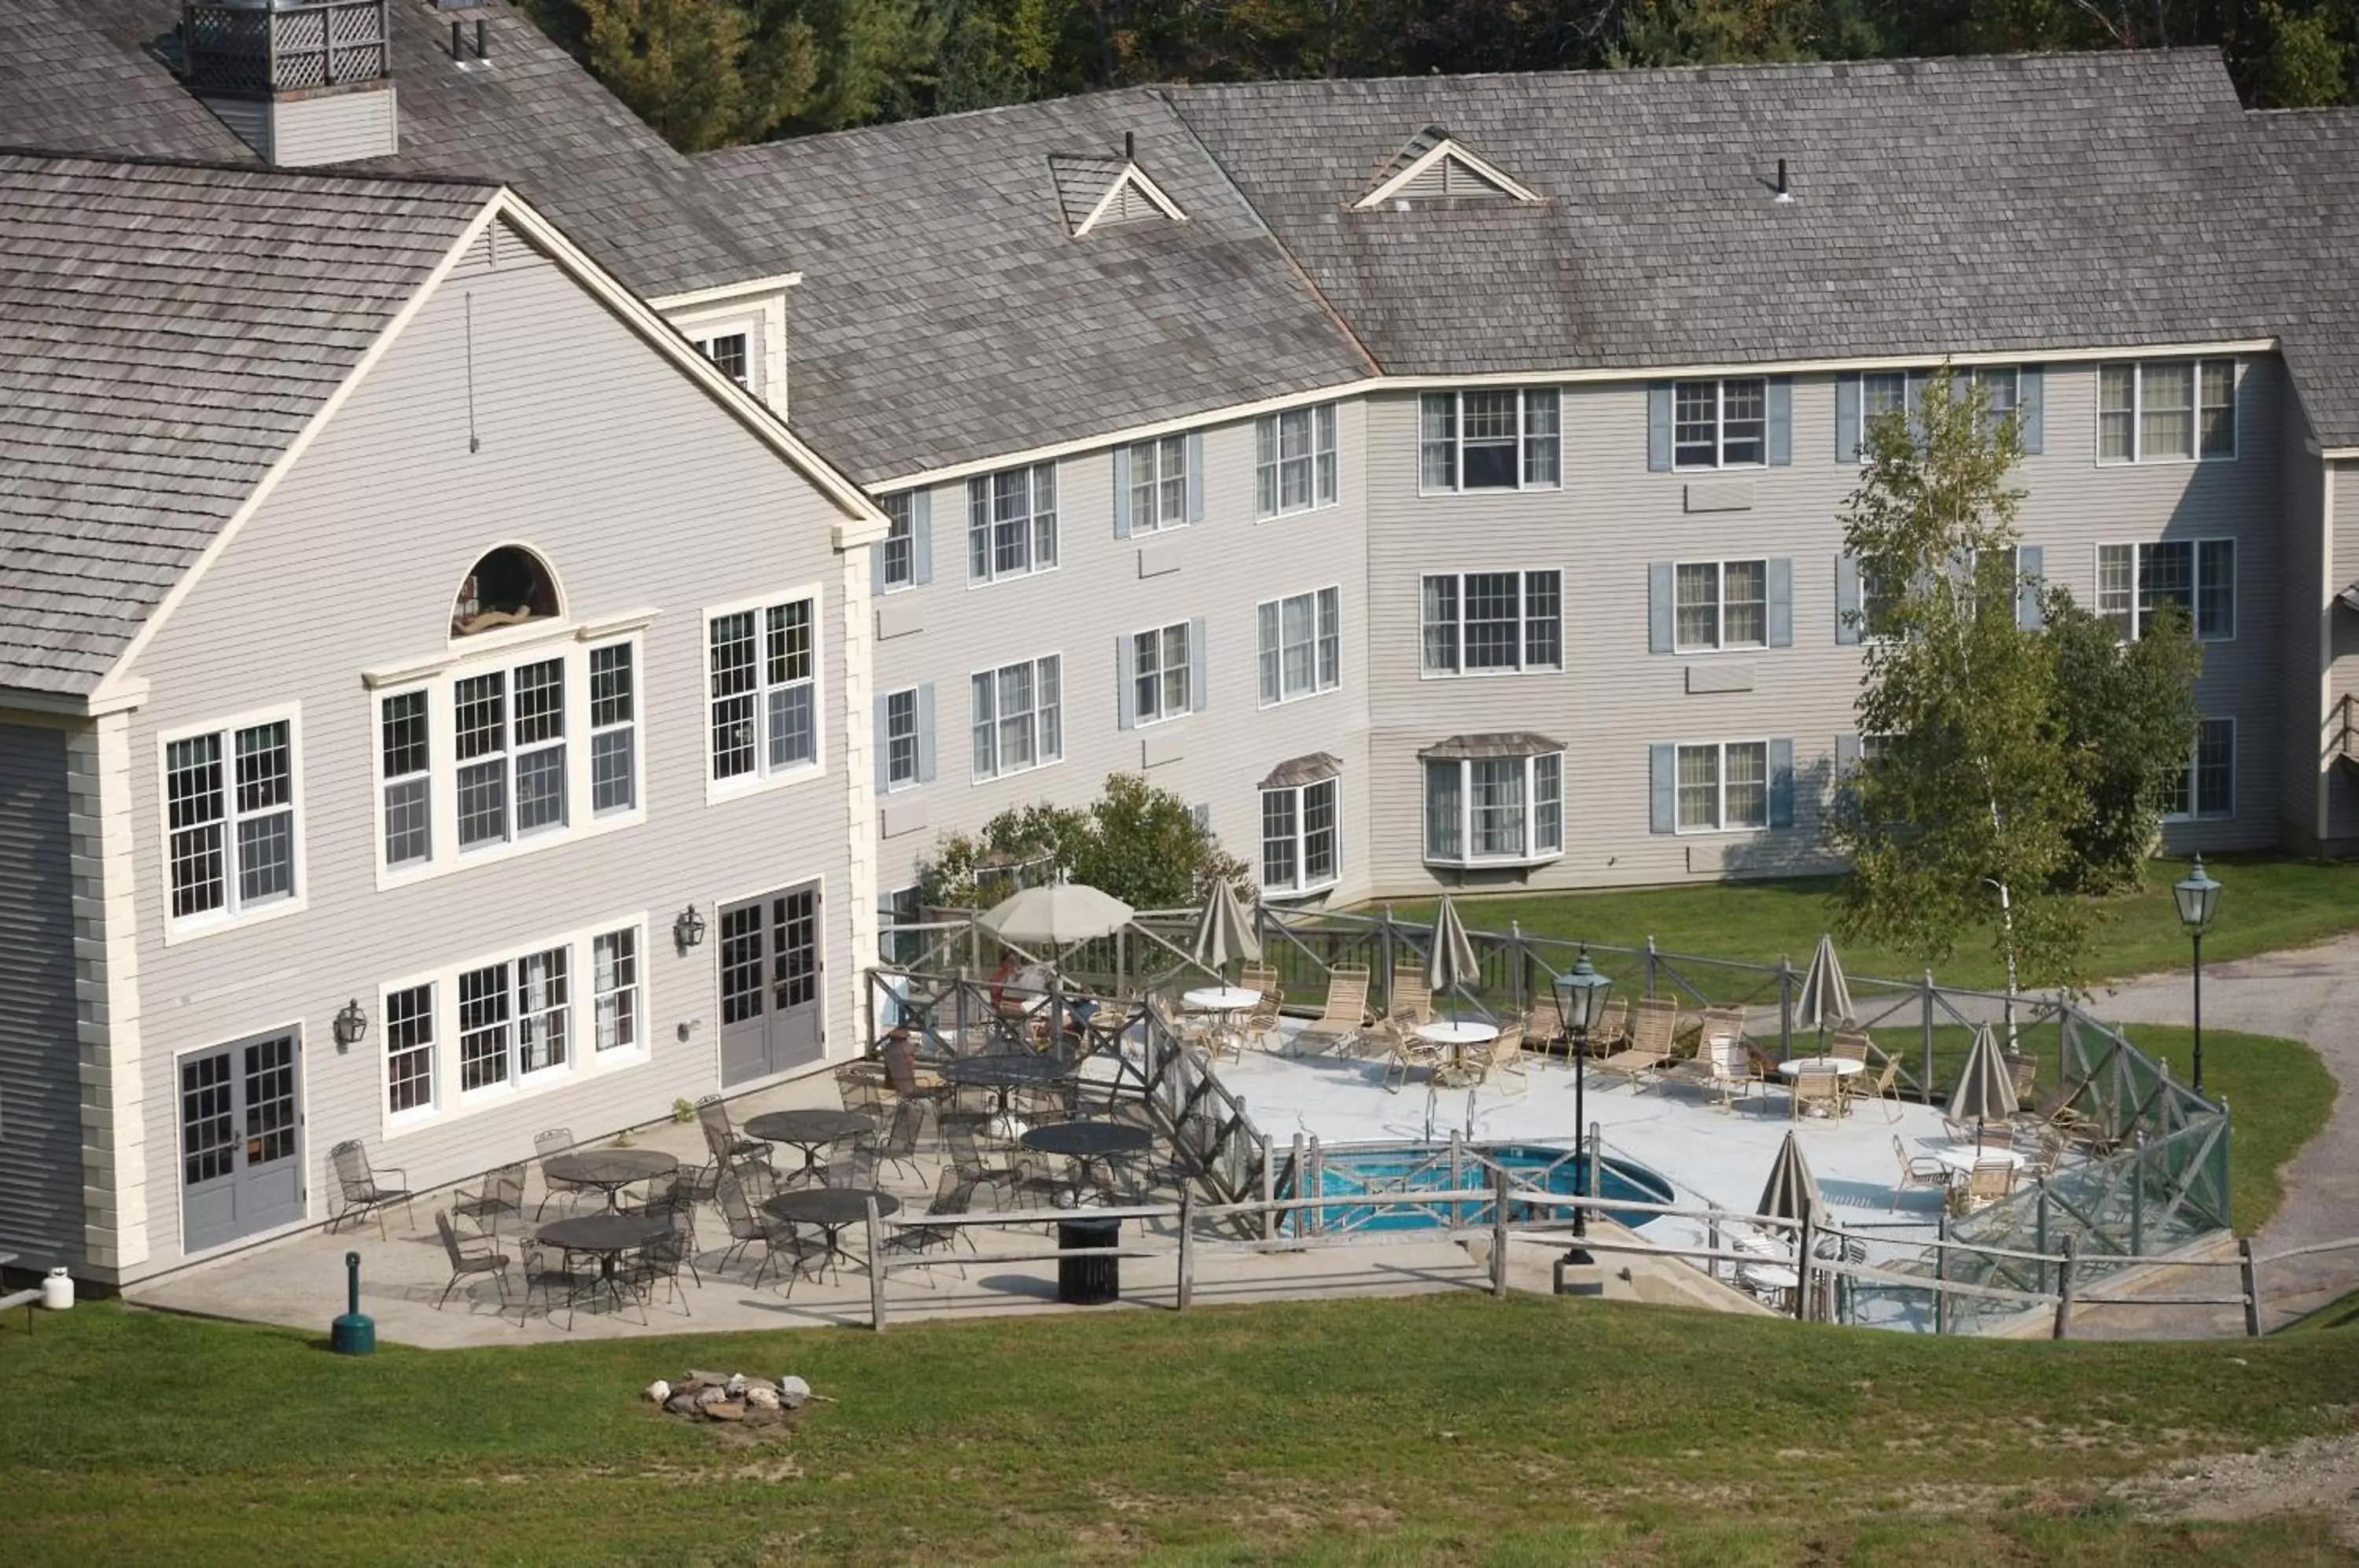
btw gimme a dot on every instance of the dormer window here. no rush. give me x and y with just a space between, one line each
727 352
508 586
1436 166
1097 191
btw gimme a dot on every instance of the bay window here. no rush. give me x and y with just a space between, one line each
1495 799
1299 844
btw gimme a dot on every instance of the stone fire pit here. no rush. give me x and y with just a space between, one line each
730 1397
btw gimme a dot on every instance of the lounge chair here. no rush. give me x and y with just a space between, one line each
1543 1027
1345 1017
361 1191
2025 1073
1409 994
1612 1029
1653 1021
1916 1170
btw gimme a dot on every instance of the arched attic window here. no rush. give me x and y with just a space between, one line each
509 585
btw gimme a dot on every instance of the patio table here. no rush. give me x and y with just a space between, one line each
832 1209
606 1237
810 1131
1962 1158
609 1170
1841 1066
1456 1036
1085 1141
1223 1002
1000 1072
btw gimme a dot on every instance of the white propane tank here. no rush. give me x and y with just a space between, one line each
56 1291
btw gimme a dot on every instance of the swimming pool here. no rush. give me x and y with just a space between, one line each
1348 1170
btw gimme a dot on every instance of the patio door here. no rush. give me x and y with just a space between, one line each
770 1018
240 1156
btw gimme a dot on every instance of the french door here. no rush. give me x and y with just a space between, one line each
771 1017
241 1140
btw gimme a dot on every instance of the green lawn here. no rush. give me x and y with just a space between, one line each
1450 1429
2268 902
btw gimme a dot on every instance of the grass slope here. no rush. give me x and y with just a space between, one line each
2268 903
1450 1428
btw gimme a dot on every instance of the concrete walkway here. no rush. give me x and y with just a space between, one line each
2311 995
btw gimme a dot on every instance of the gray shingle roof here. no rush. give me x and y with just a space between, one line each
951 316
1939 205
165 332
2304 197
93 76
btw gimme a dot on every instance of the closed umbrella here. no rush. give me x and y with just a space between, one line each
1792 1193
1225 935
1057 915
1450 962
1985 1090
1826 999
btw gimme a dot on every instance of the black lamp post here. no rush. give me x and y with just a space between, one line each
2198 899
1581 997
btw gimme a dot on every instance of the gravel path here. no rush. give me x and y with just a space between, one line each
2311 995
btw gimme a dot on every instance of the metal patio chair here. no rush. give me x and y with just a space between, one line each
360 1191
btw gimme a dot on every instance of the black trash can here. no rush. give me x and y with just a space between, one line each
1088 1282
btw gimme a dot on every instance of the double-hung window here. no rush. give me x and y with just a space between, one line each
900 738
2199 575
1300 645
510 746
2207 788
898 564
229 805
1722 604
405 731
1508 439
1723 785
764 677
614 989
1018 716
1158 483
2167 410
727 352
613 729
1297 837
1499 801
2002 385
1483 622
1161 670
1720 424
1011 522
1294 461
409 1049
512 1019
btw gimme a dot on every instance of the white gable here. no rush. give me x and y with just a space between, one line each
1436 165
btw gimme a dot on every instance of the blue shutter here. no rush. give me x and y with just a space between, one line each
1199 694
1846 755
1846 600
1127 693
1195 476
2031 566
1847 417
2031 408
1780 572
1781 783
1781 421
921 537
1663 788
1658 427
876 744
1658 606
1121 492
926 733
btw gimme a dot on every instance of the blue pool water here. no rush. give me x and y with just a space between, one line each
1346 1172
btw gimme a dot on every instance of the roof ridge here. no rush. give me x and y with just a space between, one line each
223 165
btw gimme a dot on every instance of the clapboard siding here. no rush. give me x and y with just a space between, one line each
1219 570
642 493
2342 633
337 127
1613 698
41 1089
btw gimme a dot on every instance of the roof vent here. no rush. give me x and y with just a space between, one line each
1096 192
1783 193
1436 163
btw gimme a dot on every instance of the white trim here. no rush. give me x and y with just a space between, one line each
488 646
1064 685
763 778
1318 687
1524 620
1137 178
2137 365
121 698
1719 462
1720 609
2194 756
1139 721
583 1060
917 740
1448 146
724 293
1523 440
231 915
1366 386
1301 889
180 1137
1466 858
2194 580
1720 805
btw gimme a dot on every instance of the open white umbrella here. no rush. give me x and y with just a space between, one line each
1224 934
1824 1001
1450 962
1792 1193
1985 1090
1057 915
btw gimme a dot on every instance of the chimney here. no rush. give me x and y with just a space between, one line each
1783 194
300 82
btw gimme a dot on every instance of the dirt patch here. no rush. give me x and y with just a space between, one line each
2317 1475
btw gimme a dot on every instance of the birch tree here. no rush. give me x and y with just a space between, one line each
1964 814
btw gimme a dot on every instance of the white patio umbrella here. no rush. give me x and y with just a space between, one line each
1224 934
1792 1193
1057 915
1985 1090
1450 962
1824 1001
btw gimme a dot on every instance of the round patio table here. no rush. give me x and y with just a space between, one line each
810 1131
1456 1036
606 1237
1841 1066
609 1170
1085 1142
1000 1072
1223 1002
832 1209
1963 1158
